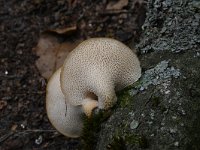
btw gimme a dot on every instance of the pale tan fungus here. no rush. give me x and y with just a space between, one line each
101 66
89 77
66 118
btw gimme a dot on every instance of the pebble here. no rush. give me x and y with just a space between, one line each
6 72
134 124
38 141
22 126
171 130
176 143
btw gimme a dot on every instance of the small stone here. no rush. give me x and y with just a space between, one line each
38 141
167 92
143 115
166 111
19 52
134 124
90 25
132 114
152 114
163 30
183 112
162 128
22 126
171 130
174 117
149 122
152 135
162 123
176 143
142 88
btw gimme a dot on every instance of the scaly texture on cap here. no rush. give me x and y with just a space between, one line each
99 66
65 117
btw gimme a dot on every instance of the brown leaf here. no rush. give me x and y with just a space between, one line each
46 50
14 127
51 52
62 54
67 30
119 5
3 104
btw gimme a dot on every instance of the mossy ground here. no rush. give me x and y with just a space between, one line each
92 126
122 142
91 129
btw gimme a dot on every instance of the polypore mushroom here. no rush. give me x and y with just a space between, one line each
66 118
99 66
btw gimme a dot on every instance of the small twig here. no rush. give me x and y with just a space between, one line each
34 92
36 130
16 133
6 136
113 12
149 99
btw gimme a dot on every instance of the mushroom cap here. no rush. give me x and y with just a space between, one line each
66 118
101 66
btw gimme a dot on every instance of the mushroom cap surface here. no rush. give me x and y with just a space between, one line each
101 66
66 118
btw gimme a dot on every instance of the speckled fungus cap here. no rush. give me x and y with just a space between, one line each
88 79
99 66
65 117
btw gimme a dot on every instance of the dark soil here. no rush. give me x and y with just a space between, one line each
23 119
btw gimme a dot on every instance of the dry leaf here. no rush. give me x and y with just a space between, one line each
3 104
119 5
51 52
14 127
46 50
68 30
62 54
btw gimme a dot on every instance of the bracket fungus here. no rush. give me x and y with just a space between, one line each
88 79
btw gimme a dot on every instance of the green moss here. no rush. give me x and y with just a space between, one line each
91 128
143 142
194 134
132 139
121 142
139 140
155 101
118 143
92 125
124 98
